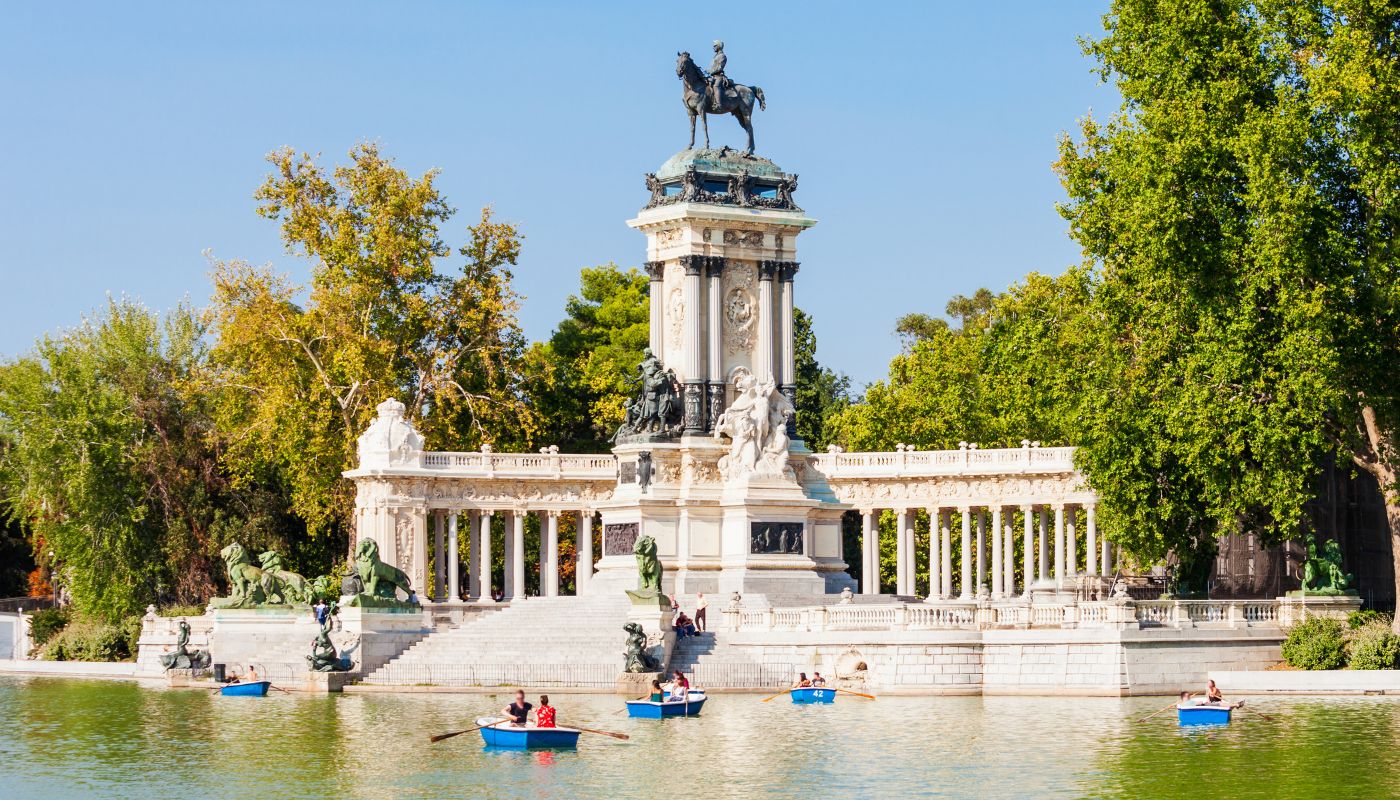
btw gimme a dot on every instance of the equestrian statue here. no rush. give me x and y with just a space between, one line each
716 94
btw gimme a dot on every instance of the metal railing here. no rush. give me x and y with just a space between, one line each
736 675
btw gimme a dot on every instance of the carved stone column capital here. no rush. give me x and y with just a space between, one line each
693 265
655 269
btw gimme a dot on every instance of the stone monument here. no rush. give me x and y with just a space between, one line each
709 464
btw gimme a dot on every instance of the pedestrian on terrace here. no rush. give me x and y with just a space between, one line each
700 604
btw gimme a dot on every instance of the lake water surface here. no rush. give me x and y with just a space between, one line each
68 738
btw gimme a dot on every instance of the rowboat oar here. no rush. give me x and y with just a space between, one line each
857 694
779 694
1172 704
639 699
1269 717
605 733
442 736
279 688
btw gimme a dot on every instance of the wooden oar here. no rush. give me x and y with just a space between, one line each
442 736
857 694
624 708
279 688
1268 717
605 733
1164 708
779 694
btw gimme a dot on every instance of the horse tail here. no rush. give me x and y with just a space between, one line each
762 104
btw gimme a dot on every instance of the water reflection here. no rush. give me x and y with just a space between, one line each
71 739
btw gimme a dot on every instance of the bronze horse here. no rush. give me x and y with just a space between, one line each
738 101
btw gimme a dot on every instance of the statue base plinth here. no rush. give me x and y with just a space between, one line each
379 603
1294 609
636 685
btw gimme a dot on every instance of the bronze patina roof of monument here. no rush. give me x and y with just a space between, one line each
719 161
722 177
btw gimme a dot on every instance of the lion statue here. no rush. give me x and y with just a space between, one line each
648 565
286 587
638 659
380 580
248 585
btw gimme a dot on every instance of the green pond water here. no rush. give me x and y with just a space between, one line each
67 738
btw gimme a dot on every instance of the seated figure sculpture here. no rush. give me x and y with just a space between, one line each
638 659
182 657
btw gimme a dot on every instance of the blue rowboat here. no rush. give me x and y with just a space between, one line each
814 694
503 734
646 709
1205 714
249 689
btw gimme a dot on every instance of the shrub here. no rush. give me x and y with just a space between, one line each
1374 646
86 639
1360 619
1315 643
46 622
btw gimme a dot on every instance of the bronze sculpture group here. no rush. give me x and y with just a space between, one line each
656 410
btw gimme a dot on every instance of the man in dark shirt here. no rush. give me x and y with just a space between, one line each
519 711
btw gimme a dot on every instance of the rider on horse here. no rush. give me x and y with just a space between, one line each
719 82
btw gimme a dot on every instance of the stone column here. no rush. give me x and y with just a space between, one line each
901 552
1044 563
656 270
715 372
1108 567
1059 545
439 555
998 573
517 552
544 553
787 270
583 546
694 399
454 583
935 556
981 580
945 528
1091 546
1072 541
473 554
1028 547
551 534
1008 562
870 550
763 351
965 591
483 560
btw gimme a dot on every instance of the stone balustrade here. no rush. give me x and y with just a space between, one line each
908 462
1178 614
549 464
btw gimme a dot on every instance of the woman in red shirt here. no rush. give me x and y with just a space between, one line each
544 715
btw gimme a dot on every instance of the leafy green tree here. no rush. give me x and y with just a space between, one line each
296 384
822 393
1241 210
582 377
109 462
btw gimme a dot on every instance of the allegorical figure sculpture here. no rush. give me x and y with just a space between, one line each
656 410
648 565
756 424
716 94
251 585
323 656
1322 572
380 580
182 657
638 659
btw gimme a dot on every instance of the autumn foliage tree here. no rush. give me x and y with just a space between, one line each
391 311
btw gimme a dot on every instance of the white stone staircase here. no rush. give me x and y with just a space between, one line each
536 642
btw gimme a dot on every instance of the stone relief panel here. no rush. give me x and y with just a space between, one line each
776 538
740 309
403 541
744 238
503 493
952 491
619 537
694 470
668 236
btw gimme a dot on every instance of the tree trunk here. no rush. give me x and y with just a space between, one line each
1376 458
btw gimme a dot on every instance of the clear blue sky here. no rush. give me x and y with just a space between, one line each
134 134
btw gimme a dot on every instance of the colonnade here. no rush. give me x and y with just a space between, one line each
481 575
986 538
